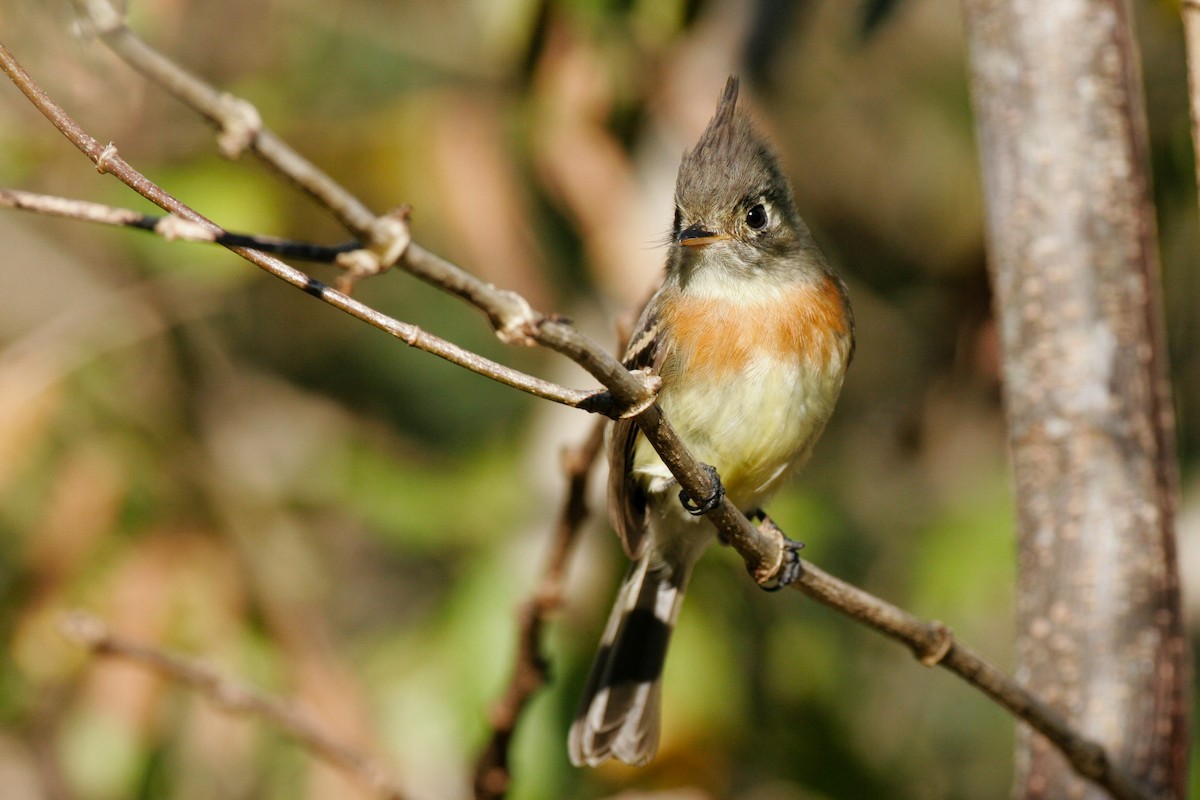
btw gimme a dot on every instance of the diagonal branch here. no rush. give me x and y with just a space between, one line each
934 645
238 121
629 394
511 316
235 698
107 160
515 321
169 227
492 771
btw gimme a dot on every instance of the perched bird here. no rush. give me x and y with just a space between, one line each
751 333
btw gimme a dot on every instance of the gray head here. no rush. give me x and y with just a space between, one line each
733 205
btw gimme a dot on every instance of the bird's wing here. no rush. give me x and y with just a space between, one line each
627 494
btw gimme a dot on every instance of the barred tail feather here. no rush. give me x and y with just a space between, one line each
620 710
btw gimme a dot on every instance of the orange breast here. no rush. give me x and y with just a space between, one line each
722 337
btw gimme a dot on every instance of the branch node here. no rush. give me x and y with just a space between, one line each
107 154
357 264
932 654
651 384
240 125
390 237
519 323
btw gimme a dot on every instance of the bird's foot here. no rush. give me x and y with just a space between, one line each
697 509
790 567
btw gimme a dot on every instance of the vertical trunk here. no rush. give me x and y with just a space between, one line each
1074 261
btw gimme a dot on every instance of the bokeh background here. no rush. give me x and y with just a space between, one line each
221 465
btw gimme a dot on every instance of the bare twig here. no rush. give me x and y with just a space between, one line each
934 645
90 632
514 321
238 121
107 160
169 227
492 774
629 394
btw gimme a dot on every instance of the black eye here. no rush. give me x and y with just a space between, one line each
678 220
756 217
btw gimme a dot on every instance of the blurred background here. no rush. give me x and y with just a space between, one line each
218 464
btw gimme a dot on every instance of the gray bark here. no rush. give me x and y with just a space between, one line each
1074 263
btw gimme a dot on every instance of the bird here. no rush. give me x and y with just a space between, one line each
751 333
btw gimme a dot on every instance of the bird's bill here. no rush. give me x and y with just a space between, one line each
701 241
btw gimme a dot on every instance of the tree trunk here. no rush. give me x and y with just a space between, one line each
1074 263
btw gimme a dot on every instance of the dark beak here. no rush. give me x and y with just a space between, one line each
696 236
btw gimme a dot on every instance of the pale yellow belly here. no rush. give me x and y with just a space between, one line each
754 425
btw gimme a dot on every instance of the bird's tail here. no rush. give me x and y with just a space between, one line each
619 713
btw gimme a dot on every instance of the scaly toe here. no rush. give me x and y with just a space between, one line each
790 570
709 503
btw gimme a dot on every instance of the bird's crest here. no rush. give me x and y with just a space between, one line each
730 155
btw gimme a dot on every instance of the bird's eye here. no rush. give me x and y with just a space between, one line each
756 217
678 222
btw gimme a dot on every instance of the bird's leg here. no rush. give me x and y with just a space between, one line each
697 509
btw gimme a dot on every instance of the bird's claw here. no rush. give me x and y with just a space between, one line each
790 569
709 503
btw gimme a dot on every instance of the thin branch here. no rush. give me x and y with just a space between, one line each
239 122
107 160
934 645
511 316
169 227
629 394
514 321
530 670
91 632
